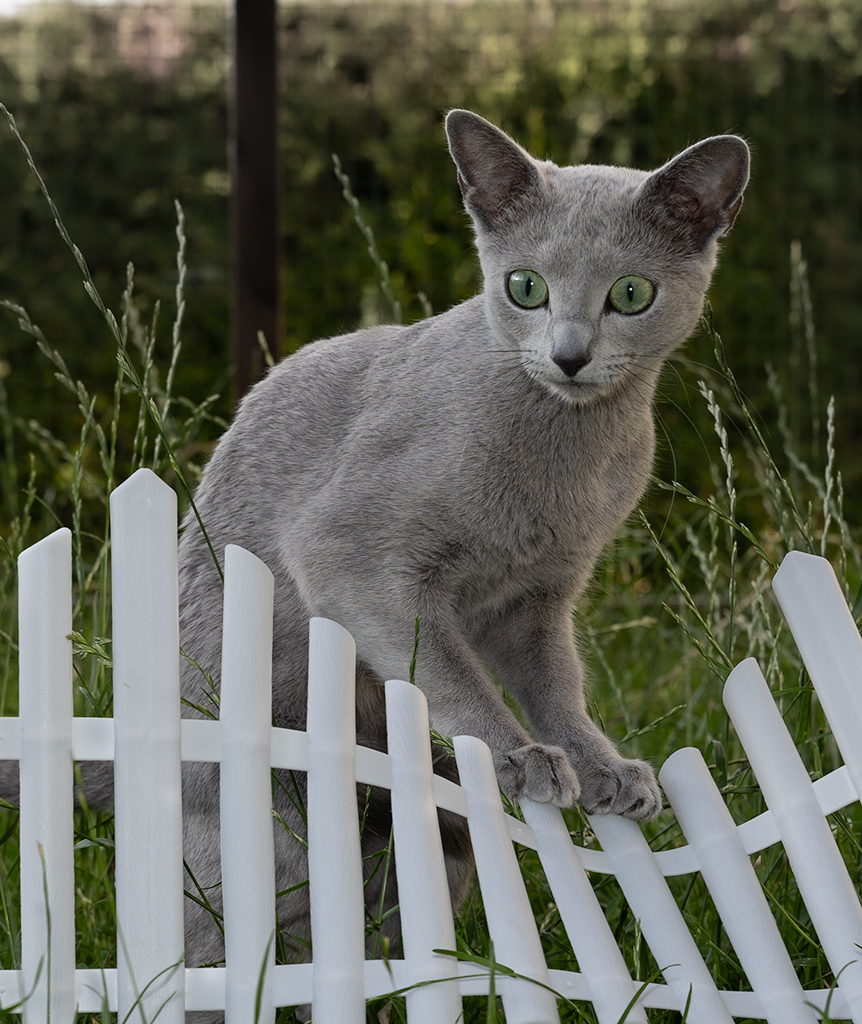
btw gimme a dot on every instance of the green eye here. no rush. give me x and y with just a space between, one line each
527 288
631 294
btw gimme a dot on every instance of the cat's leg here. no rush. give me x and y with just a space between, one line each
532 650
462 699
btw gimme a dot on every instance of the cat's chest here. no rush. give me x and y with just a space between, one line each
565 478
545 506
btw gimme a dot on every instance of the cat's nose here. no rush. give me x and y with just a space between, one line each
571 365
571 346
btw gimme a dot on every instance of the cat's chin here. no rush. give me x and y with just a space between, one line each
575 392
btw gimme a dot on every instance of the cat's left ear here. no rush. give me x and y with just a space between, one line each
700 191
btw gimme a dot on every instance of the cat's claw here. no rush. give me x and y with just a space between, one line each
541 773
620 786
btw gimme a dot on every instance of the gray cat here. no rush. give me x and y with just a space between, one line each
468 469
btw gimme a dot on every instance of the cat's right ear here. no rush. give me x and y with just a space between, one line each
496 175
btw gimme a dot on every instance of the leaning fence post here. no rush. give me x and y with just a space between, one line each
45 709
599 956
827 637
147 797
736 891
820 871
334 852
662 923
245 714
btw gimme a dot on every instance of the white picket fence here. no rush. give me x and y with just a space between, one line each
147 741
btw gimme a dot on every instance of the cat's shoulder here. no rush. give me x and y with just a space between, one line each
350 356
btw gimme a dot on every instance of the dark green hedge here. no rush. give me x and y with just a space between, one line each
602 82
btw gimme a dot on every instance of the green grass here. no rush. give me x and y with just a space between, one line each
681 596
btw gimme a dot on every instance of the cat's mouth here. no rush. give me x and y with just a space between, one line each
579 388
579 380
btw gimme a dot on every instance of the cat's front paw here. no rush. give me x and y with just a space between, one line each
619 786
541 773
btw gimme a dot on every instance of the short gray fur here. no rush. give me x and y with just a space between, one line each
467 469
452 470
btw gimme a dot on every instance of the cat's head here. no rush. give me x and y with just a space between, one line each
594 274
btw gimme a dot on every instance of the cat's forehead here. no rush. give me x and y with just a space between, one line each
591 195
586 211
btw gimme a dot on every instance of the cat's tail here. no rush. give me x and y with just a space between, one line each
94 782
9 781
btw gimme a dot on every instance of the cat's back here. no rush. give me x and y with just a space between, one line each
322 407
308 404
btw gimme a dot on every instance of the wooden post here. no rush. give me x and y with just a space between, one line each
254 194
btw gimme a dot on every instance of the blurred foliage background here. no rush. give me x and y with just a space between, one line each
125 109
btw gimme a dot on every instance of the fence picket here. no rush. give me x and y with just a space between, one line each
735 889
147 790
335 859
510 919
824 631
423 891
599 956
47 867
248 857
820 873
662 924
